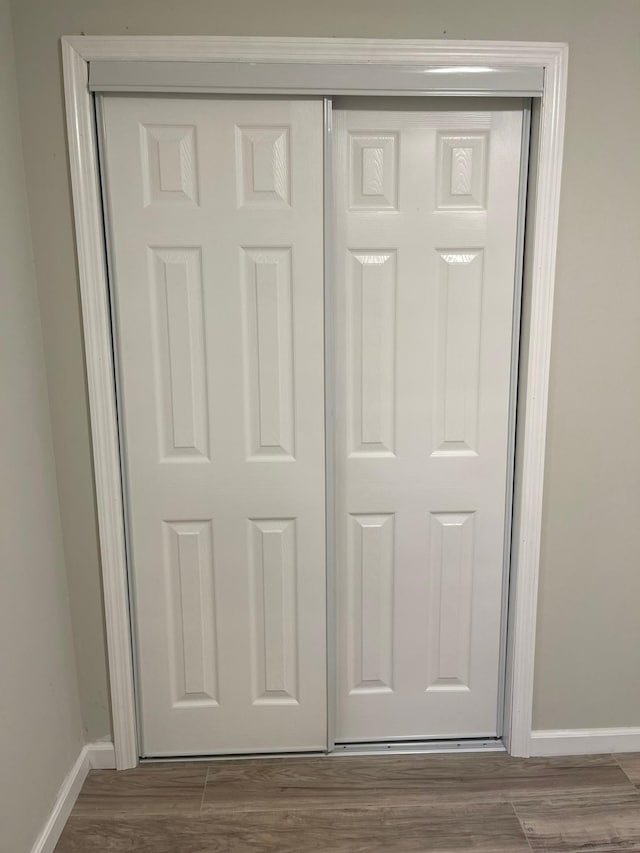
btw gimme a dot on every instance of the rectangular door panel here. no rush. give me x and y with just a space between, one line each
191 607
178 329
371 373
371 602
215 212
425 211
455 408
274 623
269 352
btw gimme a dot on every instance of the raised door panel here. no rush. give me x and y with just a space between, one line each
169 164
371 567
450 598
264 170
455 408
274 619
371 346
178 321
269 352
373 180
462 171
191 605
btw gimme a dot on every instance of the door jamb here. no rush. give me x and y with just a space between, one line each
514 392
329 423
77 53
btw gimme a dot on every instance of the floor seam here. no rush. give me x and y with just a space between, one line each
204 789
521 825
356 807
622 768
633 784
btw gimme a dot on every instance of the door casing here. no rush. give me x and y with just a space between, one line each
78 52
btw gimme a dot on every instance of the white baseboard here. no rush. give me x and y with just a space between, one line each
101 755
584 741
92 756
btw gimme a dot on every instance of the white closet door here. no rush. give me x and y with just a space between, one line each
215 221
426 213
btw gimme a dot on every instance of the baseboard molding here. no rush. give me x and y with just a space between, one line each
102 755
584 741
92 756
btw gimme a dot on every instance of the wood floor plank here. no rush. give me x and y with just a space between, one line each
491 828
608 822
148 789
353 782
630 763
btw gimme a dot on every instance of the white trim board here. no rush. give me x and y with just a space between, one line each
93 756
584 741
286 78
101 755
77 53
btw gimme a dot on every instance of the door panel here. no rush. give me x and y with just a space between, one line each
425 206
215 214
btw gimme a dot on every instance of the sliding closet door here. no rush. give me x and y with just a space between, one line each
215 215
426 213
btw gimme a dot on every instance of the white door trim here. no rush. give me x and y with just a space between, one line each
77 52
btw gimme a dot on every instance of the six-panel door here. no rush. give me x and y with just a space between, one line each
215 214
425 206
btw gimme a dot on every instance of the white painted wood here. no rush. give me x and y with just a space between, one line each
329 423
101 755
269 307
77 52
87 207
455 576
67 795
332 51
527 154
370 662
426 216
192 607
584 741
281 78
529 483
93 756
217 269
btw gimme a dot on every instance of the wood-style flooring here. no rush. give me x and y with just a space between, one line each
481 802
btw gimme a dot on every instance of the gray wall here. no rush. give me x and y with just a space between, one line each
588 651
40 723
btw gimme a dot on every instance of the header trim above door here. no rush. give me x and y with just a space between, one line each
306 78
342 58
